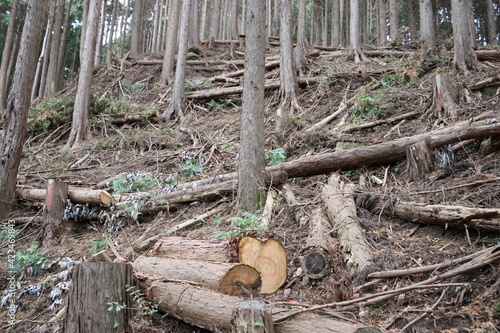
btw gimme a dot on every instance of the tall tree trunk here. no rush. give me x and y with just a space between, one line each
111 34
80 124
215 24
301 49
100 34
4 73
175 107
412 20
194 26
464 56
491 32
203 19
62 47
171 42
251 166
288 79
354 37
52 72
336 23
18 102
46 50
136 34
394 21
427 31
156 26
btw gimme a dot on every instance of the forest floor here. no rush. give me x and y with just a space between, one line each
205 143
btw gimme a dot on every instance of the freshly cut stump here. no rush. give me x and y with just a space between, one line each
267 257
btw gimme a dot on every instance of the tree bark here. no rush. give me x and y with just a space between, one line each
491 31
55 204
382 23
80 124
252 316
227 278
341 209
192 249
4 65
464 56
419 161
94 286
76 195
315 256
16 114
444 98
136 34
251 166
175 107
427 30
171 42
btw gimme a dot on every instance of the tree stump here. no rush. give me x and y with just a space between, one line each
252 317
55 204
228 278
419 161
445 98
95 285
268 258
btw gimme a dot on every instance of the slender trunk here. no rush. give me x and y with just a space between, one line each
4 73
491 33
171 42
62 47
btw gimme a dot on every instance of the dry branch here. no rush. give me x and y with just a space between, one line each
381 122
76 195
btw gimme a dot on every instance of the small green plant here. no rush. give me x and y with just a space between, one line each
134 182
207 84
188 86
145 307
367 107
30 257
114 306
275 156
191 168
248 223
98 246
50 114
496 308
212 104
7 233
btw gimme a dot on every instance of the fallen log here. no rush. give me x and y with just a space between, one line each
228 278
76 195
315 260
252 316
341 209
214 311
268 258
486 219
381 122
386 152
192 249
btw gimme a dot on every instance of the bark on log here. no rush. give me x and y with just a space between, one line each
192 249
315 259
486 219
94 285
76 195
492 80
231 279
300 216
55 204
419 161
214 311
341 209
268 258
252 317
386 152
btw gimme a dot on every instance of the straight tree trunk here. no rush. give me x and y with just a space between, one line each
336 23
427 31
135 37
301 48
62 46
156 26
394 21
16 113
52 72
80 124
491 32
112 26
4 73
194 26
464 56
354 33
215 24
171 42
251 166
46 51
175 107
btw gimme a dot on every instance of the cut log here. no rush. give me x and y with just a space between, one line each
341 209
230 279
419 161
300 216
486 219
252 317
386 152
214 311
310 322
315 257
445 98
193 249
76 195
94 286
55 204
268 258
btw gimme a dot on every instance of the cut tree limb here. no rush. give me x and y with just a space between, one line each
381 122
341 209
76 195
228 278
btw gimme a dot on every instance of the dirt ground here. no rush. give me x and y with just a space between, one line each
206 139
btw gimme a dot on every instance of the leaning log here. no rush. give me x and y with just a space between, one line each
386 152
486 219
230 279
341 209
213 311
94 285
